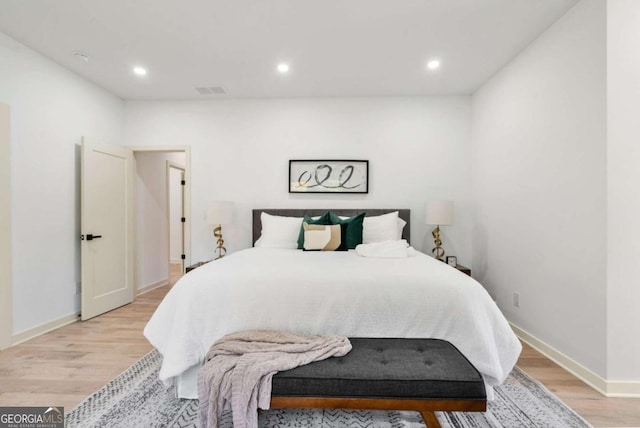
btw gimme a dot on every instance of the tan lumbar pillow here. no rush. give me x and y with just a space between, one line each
318 237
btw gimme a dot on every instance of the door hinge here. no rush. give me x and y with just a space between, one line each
183 182
183 257
183 219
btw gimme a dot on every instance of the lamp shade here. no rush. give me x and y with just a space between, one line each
439 213
220 212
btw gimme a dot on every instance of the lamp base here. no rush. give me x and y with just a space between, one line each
438 251
217 233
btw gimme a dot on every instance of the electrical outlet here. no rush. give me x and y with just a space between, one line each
77 287
516 300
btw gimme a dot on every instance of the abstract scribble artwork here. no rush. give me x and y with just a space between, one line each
328 176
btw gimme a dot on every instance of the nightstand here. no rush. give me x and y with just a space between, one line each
464 269
195 265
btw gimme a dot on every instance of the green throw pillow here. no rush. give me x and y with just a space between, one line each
323 219
354 228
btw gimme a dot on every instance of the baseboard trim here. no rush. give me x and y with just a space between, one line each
607 388
152 286
29 334
623 389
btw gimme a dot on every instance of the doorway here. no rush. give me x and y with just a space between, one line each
175 215
155 244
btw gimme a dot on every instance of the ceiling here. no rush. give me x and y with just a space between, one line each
333 47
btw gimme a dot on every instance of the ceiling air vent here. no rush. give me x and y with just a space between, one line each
211 90
218 90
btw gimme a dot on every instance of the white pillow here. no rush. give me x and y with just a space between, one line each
381 228
279 232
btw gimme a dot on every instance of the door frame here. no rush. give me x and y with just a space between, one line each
6 299
187 193
179 167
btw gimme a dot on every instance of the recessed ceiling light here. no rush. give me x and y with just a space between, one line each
433 64
140 71
283 68
81 56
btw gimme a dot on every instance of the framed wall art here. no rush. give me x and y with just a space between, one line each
328 176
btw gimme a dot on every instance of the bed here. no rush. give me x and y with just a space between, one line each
328 292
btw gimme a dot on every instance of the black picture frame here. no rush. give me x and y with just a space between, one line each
338 176
452 261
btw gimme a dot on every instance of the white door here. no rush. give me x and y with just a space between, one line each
176 214
107 227
6 314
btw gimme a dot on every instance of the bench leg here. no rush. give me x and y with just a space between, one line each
430 419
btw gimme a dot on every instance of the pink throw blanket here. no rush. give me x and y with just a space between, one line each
238 368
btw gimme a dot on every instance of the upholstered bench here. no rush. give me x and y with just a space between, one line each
424 375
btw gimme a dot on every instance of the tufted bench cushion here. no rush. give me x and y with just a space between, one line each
395 374
383 368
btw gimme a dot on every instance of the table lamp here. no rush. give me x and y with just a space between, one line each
219 213
439 213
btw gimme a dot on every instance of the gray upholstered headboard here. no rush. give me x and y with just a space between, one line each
404 214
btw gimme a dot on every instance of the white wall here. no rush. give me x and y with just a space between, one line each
52 109
539 175
152 224
623 173
418 148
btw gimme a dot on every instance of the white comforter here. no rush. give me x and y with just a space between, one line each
331 293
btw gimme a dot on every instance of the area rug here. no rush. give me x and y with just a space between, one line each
136 398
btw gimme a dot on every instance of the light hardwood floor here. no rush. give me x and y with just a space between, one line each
599 410
63 367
